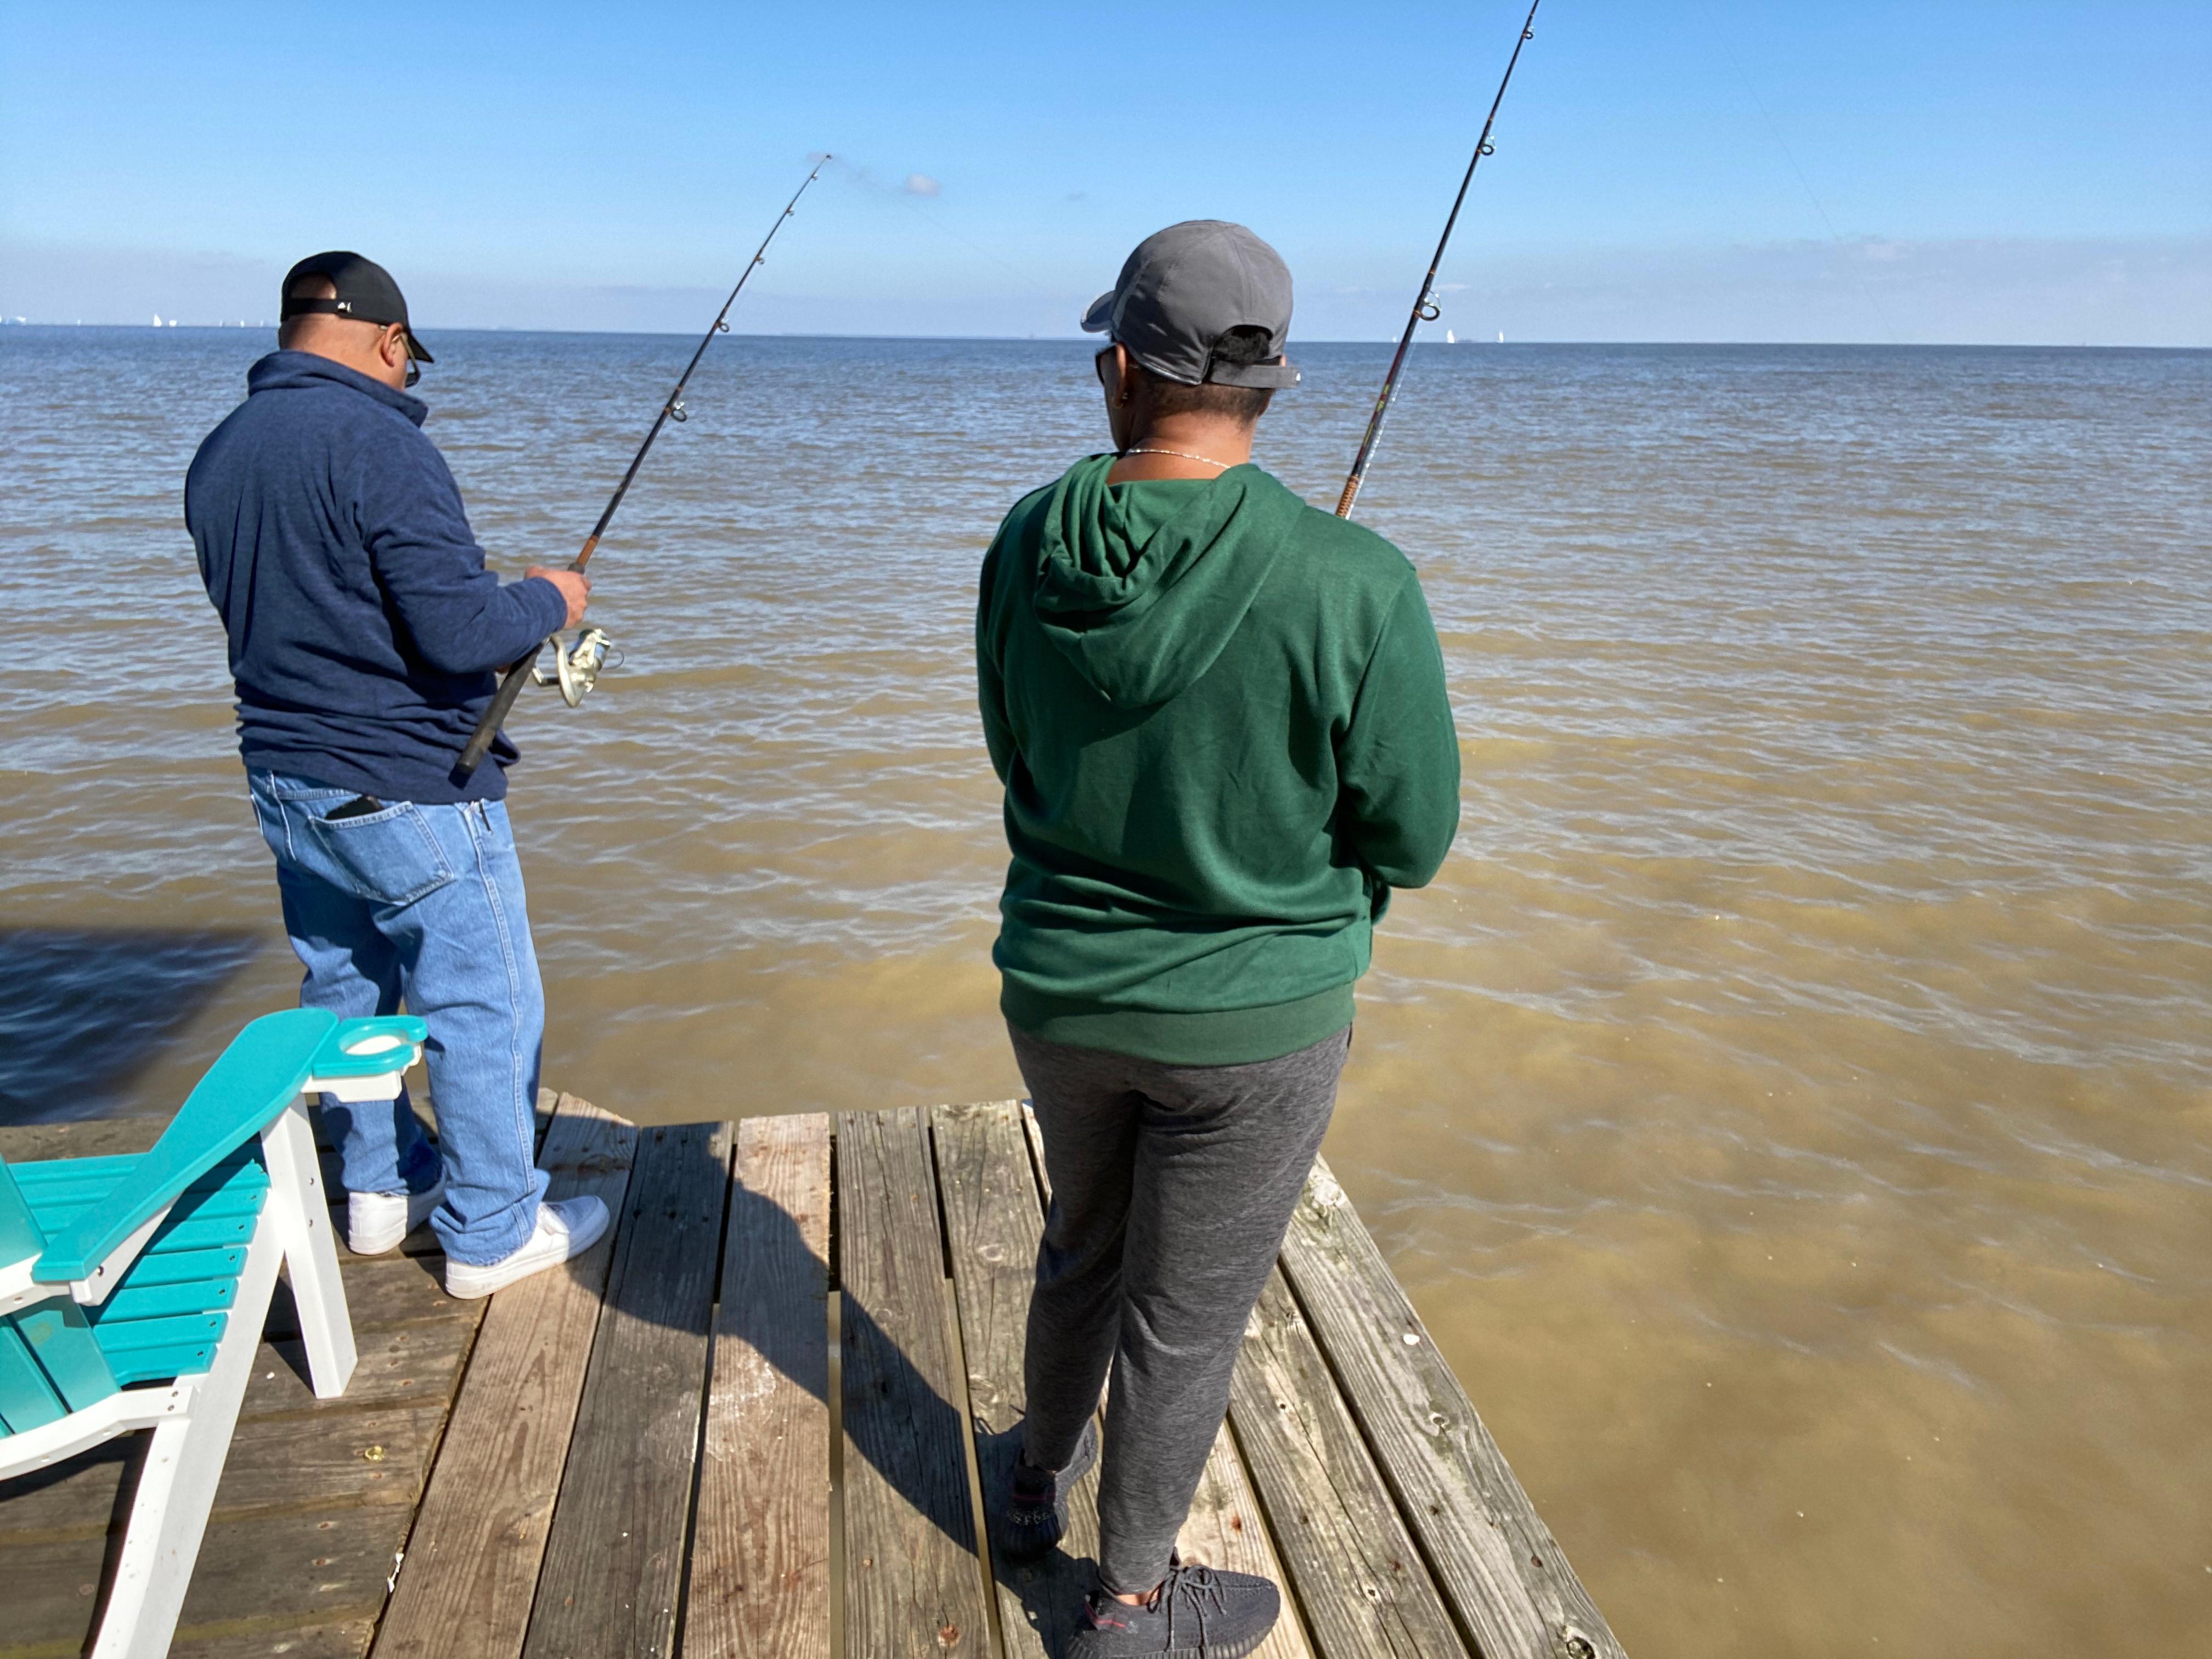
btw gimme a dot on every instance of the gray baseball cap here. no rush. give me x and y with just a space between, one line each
1187 286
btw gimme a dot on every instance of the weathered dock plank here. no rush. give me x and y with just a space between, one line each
97 1137
994 1220
332 1460
339 1641
52 1600
1353 1566
72 1499
913 1583
471 1573
614 1562
383 1293
760 1564
1503 1573
397 1368
1224 1528
265 1574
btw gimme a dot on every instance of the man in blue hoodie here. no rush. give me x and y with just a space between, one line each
1220 718
364 635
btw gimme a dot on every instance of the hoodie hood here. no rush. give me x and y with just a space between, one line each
295 371
1142 611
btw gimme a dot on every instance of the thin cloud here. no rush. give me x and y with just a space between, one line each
920 184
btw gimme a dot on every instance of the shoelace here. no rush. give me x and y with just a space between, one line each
1199 1589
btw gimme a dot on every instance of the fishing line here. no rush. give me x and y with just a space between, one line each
579 666
905 199
1789 156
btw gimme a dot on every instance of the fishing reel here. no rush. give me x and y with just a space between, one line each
576 667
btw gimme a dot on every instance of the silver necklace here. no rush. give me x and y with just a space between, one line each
1181 455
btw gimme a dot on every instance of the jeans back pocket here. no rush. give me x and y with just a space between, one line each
391 856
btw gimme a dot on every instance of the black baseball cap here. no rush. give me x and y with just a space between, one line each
365 292
1184 289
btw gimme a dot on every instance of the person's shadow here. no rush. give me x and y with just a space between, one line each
896 1420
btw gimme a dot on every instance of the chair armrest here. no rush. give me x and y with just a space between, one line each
363 1059
261 1073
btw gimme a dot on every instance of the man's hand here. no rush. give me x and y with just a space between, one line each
575 587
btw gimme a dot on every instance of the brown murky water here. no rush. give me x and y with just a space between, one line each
1791 1106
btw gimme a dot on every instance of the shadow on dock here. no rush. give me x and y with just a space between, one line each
910 1415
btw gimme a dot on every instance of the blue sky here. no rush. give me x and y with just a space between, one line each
1875 171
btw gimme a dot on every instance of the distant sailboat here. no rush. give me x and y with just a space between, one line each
157 319
1501 337
1450 338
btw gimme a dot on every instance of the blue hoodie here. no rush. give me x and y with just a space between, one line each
364 628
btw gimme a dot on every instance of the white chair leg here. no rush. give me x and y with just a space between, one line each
299 1207
176 1489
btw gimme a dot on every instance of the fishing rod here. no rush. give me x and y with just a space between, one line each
577 668
1426 309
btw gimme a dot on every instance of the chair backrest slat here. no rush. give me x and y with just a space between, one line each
61 1341
19 1237
50 1363
28 1400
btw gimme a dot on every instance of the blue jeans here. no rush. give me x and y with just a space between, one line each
423 905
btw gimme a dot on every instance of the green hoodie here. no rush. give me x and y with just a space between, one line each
1219 715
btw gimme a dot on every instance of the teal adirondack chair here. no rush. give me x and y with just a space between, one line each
133 1290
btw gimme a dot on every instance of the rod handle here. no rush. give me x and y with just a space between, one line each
1351 494
494 716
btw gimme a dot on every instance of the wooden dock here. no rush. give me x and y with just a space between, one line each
750 1422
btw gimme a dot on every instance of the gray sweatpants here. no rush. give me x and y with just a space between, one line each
1171 1189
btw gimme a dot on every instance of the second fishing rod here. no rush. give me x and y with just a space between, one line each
1426 309
578 666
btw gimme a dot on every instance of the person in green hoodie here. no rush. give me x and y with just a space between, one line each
1220 717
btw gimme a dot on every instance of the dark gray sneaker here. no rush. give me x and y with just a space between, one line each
1197 1612
1030 1515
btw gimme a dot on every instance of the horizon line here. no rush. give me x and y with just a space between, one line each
10 322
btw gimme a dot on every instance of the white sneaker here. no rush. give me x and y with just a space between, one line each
377 1221
568 1227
